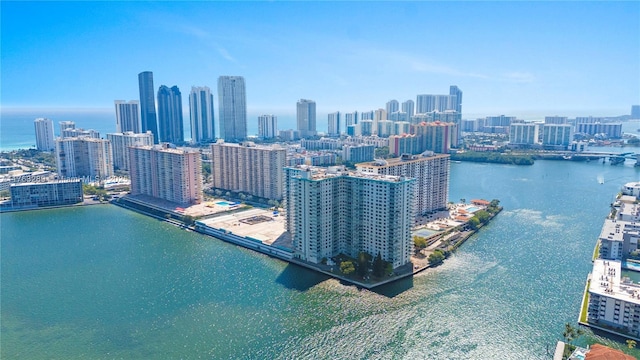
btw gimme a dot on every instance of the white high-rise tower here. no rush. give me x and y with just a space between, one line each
202 115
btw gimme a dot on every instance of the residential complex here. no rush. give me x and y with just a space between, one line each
170 124
84 157
523 133
430 170
246 167
166 173
331 211
120 142
44 134
201 114
232 105
61 192
148 104
556 135
127 118
334 124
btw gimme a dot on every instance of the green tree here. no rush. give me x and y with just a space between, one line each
570 333
436 258
364 263
631 343
188 220
381 152
346 267
5 193
494 203
419 242
482 215
474 223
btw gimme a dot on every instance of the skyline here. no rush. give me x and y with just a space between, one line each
570 59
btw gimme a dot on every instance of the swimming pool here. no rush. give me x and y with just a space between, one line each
472 209
425 232
631 265
223 203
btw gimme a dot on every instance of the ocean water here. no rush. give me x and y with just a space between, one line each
76 286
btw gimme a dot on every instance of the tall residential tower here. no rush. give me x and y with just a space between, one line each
44 134
306 117
170 115
232 105
148 104
127 118
202 115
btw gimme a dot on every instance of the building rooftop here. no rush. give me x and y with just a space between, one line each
321 173
404 159
612 230
607 281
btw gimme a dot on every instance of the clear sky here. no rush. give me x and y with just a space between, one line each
514 58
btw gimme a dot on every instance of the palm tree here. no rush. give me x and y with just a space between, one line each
631 343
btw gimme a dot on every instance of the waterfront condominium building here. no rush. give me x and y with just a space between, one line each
350 119
171 128
306 117
44 134
84 157
167 173
64 125
435 136
392 106
202 115
127 118
148 104
331 211
430 170
120 143
614 300
523 133
333 124
267 126
232 105
60 192
556 135
73 133
248 168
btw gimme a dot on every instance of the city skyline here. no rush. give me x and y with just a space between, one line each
575 67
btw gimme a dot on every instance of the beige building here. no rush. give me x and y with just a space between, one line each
430 170
166 173
86 157
248 168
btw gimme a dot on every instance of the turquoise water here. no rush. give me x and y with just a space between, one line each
223 203
142 289
472 209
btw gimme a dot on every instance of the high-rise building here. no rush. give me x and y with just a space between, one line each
457 105
84 157
408 107
267 126
555 119
331 211
167 173
403 144
248 168
120 143
635 112
306 117
523 133
392 106
232 105
436 136
333 126
64 125
367 115
44 134
350 119
148 104
430 170
358 153
556 135
171 128
385 128
127 116
76 133
202 115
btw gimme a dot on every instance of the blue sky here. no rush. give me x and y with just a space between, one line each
518 58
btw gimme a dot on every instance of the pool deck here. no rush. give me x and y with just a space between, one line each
267 232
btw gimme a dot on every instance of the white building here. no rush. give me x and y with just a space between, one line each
61 192
614 301
632 189
556 135
44 134
558 120
392 106
64 125
385 128
127 118
267 126
120 142
246 167
201 114
431 172
331 211
523 133
166 173
408 107
306 117
84 157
